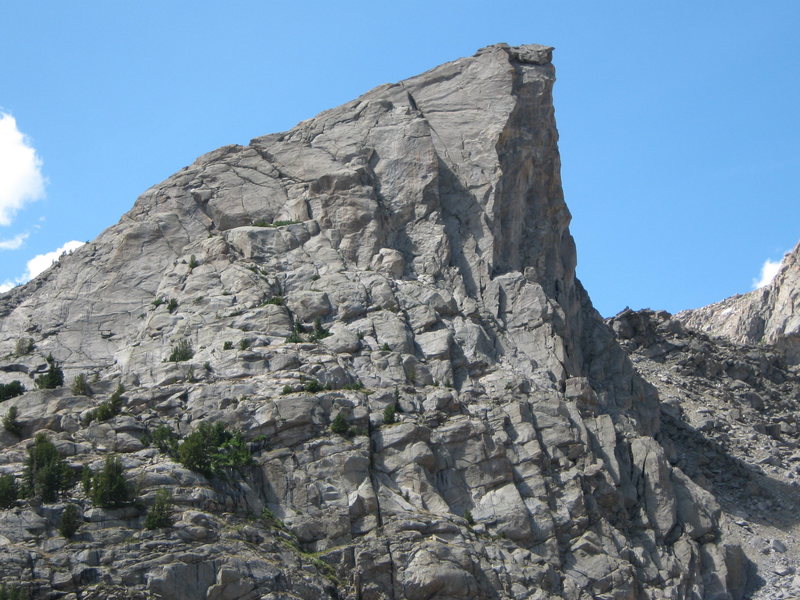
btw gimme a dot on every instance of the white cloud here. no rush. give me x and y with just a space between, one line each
768 271
14 242
21 179
39 263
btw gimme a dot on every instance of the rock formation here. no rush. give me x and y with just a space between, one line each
768 315
729 421
404 257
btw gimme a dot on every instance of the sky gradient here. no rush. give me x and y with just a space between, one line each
678 123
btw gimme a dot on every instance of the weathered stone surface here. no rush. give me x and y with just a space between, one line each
729 428
409 249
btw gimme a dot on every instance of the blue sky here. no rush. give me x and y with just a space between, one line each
678 121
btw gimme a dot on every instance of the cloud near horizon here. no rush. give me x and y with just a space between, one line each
21 179
14 242
40 263
769 269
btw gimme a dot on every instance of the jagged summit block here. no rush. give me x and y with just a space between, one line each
457 170
409 249
468 147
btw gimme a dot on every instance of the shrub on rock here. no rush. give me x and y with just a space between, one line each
10 422
213 449
53 378
8 491
71 520
160 514
108 409
182 351
165 439
11 390
80 387
46 473
390 414
24 346
109 487
339 425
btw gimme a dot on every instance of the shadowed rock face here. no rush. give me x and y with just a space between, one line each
422 227
768 315
729 420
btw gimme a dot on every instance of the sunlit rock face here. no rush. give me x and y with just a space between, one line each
409 249
768 315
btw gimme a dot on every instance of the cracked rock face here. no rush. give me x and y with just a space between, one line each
409 249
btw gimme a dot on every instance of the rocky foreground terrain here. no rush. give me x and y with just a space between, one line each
352 361
729 416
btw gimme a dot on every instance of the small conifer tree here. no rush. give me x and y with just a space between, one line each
8 491
10 422
339 425
160 514
70 521
109 488
390 414
46 473
11 390
53 378
80 387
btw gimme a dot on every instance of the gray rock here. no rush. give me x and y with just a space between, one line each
421 226
389 261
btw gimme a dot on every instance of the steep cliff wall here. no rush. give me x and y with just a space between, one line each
408 249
